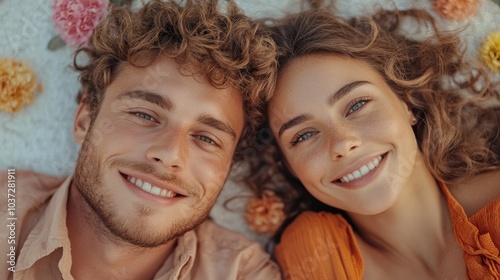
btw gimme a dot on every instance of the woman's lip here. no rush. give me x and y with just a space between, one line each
360 182
359 167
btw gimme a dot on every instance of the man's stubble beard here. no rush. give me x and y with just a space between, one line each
99 210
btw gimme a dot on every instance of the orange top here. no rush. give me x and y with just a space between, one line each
323 245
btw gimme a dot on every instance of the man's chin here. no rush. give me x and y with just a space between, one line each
142 235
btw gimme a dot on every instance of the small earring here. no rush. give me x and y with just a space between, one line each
414 121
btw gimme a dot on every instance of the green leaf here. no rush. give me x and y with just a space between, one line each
56 43
121 3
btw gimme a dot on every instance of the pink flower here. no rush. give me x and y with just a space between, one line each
456 9
75 20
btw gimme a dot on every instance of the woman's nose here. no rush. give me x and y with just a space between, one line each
343 141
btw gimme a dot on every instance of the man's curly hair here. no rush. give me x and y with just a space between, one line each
204 37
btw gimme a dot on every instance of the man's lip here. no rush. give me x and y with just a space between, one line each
357 166
154 182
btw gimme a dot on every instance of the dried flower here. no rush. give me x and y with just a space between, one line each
490 51
456 9
17 85
265 214
75 20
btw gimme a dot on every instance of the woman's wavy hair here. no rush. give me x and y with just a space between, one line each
456 131
202 36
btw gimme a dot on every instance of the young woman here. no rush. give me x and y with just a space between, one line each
385 152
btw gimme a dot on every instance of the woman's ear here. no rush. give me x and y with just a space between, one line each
82 122
411 116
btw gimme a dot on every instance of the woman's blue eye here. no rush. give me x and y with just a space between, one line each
357 105
303 137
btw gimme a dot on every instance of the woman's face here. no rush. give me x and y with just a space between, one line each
344 132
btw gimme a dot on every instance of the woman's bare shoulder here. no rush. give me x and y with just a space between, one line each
477 192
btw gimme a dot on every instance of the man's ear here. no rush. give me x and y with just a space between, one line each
82 122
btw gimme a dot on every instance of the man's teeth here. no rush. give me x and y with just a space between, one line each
146 186
365 169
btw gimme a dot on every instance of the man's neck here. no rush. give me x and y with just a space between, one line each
96 255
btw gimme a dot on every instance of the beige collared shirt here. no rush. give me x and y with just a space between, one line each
43 250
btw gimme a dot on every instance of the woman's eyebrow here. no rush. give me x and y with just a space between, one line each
343 91
293 122
334 97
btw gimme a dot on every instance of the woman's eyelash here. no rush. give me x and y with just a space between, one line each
357 104
353 106
302 137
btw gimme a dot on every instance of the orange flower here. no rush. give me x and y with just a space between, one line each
265 214
17 85
456 9
490 51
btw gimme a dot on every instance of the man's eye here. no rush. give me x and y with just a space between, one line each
303 137
207 139
144 116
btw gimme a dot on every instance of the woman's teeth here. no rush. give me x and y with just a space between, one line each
365 169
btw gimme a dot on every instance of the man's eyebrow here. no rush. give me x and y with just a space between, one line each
217 124
151 97
293 122
337 95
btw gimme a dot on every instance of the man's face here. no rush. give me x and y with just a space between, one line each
158 153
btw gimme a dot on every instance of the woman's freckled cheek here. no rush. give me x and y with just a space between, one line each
306 164
379 123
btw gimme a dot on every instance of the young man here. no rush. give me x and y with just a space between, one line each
167 92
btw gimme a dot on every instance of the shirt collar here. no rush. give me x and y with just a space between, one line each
183 258
50 232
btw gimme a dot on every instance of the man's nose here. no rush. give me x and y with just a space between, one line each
170 150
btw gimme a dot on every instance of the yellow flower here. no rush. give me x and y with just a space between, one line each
490 51
17 85
265 214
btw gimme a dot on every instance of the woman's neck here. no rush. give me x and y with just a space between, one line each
417 227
